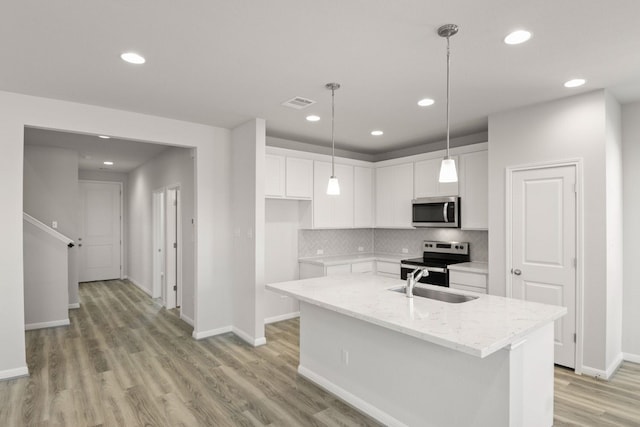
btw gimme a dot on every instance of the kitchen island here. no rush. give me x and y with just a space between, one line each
423 362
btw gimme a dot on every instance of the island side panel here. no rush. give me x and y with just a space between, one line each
399 379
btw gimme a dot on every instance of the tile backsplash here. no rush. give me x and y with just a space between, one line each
347 241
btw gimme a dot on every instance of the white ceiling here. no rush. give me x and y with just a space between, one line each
222 62
93 151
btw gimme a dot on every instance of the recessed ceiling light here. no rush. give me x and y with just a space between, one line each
426 102
517 37
313 118
108 163
104 136
376 132
132 58
575 83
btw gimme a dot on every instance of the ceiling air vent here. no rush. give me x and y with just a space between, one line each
298 103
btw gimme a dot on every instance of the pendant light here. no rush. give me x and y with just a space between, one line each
333 188
448 171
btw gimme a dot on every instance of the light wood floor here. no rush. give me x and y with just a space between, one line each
124 361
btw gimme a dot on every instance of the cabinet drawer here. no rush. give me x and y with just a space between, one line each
333 270
388 267
362 267
470 279
475 289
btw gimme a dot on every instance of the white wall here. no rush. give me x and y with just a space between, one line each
281 255
173 166
248 205
631 292
51 194
213 181
46 278
121 178
566 129
614 230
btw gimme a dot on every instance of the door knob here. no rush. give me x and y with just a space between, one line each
516 271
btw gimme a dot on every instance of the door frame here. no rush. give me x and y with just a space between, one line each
121 185
578 165
159 240
178 190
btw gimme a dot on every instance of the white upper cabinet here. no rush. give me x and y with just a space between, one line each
332 211
394 191
299 181
474 190
426 178
274 182
288 177
363 197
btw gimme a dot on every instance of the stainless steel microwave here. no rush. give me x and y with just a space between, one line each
436 212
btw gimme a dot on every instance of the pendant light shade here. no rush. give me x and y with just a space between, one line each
448 171
333 187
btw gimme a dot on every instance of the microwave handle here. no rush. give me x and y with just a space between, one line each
445 213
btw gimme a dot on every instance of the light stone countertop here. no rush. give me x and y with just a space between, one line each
470 267
358 257
479 327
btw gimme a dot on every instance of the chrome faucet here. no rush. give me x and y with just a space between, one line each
412 279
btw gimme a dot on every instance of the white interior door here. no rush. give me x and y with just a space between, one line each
99 245
158 245
543 203
172 248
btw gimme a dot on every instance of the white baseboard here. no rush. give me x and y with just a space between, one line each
41 325
629 357
350 398
604 374
186 318
74 305
281 317
14 373
139 286
211 332
248 338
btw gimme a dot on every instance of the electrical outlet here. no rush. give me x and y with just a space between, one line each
360 249
320 252
345 357
54 224
405 250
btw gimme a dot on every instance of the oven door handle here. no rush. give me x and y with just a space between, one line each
429 269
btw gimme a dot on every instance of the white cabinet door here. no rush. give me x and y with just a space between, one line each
334 270
299 179
394 191
474 190
363 197
274 182
332 211
427 174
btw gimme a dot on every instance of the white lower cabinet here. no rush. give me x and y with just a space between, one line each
467 281
308 270
335 270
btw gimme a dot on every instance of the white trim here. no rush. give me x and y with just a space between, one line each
471 148
44 227
577 164
248 338
139 286
52 324
14 373
186 318
630 357
351 399
211 332
74 305
280 318
608 373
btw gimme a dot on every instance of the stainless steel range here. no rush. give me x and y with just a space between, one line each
436 256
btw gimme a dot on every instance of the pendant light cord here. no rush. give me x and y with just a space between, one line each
448 94
333 142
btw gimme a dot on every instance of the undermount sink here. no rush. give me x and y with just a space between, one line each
437 295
